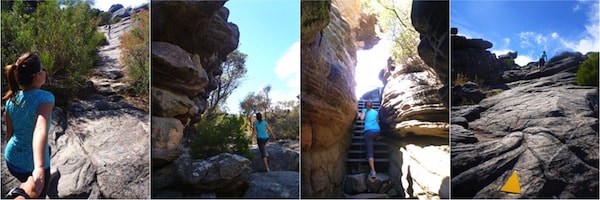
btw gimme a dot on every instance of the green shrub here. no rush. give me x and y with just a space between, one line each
104 18
509 62
135 54
587 74
65 38
221 134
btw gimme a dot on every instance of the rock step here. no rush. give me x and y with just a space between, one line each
364 151
375 143
364 160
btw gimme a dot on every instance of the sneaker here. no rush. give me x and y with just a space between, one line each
372 175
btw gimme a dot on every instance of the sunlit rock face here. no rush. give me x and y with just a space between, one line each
545 129
414 110
328 101
361 24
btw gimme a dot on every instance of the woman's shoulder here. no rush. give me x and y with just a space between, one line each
45 95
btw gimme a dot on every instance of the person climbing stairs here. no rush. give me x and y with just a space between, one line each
356 158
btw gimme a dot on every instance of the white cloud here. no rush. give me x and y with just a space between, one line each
288 66
287 70
576 8
591 39
104 5
554 35
522 60
506 42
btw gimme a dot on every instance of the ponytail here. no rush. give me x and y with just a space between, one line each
13 85
21 73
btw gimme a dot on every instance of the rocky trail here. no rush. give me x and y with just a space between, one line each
99 142
543 126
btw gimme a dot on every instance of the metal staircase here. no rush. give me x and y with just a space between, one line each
356 160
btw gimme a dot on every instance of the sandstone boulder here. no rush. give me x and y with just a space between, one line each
431 20
166 139
328 101
412 105
173 68
276 184
280 159
226 174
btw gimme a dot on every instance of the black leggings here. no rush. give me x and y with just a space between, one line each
23 178
262 146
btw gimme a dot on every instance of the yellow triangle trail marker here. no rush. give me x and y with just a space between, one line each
512 185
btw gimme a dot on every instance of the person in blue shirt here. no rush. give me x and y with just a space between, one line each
262 137
543 59
28 117
371 132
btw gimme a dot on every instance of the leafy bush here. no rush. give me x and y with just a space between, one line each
284 119
135 54
587 74
221 134
104 18
65 38
509 62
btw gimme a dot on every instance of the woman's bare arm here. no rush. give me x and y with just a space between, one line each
40 140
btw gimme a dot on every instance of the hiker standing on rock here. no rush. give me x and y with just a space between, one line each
28 117
371 132
543 59
262 137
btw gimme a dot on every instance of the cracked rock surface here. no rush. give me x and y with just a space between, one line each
545 129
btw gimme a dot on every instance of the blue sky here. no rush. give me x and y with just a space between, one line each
530 27
270 35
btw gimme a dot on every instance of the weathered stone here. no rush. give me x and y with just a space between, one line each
172 68
226 174
169 104
412 105
544 129
166 138
277 184
461 121
431 20
280 159
461 135
467 93
328 102
375 185
362 24
355 184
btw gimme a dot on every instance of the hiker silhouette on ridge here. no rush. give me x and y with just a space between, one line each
542 60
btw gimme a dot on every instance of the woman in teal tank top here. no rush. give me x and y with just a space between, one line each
28 117
262 137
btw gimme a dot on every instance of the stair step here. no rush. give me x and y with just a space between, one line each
365 160
375 143
365 151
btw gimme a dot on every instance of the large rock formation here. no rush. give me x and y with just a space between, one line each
361 24
190 40
277 184
98 145
470 58
431 20
545 129
414 110
328 102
